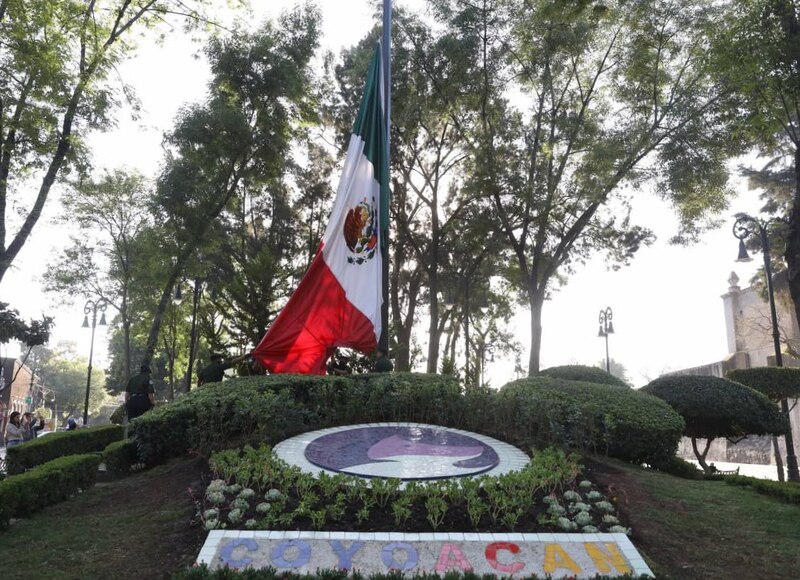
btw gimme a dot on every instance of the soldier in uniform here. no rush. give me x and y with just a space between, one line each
140 395
215 371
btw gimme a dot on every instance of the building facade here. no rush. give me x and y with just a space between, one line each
748 325
20 391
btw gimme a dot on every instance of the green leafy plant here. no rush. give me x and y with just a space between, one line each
436 507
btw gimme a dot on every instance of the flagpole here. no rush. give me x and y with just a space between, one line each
383 342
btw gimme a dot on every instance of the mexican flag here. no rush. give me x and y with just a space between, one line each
338 301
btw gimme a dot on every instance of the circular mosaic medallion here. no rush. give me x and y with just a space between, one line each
403 450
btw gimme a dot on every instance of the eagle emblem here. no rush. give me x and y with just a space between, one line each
361 232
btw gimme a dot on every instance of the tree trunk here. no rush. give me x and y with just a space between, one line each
433 328
778 459
792 253
536 302
701 457
126 333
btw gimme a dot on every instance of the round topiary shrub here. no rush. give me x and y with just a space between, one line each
624 423
584 374
713 407
775 383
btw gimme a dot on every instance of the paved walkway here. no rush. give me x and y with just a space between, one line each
749 469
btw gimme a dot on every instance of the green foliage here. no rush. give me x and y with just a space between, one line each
533 413
57 57
784 491
776 383
627 424
273 406
280 494
61 444
584 374
64 371
119 457
214 416
227 163
714 407
118 416
680 468
49 483
33 333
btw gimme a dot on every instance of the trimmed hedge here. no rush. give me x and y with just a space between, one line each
272 407
49 483
584 374
785 491
120 457
714 407
536 412
61 444
776 383
626 424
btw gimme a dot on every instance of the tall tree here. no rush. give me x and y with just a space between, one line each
111 215
55 59
62 370
758 56
239 138
568 108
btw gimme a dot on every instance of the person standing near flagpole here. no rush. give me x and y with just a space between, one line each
338 302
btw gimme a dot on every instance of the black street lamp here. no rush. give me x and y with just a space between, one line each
92 306
606 328
743 227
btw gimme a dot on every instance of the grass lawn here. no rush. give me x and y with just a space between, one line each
137 527
705 529
144 526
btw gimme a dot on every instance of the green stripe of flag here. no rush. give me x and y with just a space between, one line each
370 126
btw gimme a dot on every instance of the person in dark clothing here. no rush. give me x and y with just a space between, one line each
31 427
382 363
140 394
215 371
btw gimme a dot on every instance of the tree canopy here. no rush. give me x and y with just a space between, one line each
713 407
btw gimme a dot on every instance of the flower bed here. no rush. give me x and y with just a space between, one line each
255 490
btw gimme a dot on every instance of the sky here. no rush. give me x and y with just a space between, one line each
667 310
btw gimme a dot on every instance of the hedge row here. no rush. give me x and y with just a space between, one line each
49 483
120 457
535 412
202 572
775 383
784 491
273 407
584 374
61 444
625 424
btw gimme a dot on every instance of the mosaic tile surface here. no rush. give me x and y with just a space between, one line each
407 451
557 555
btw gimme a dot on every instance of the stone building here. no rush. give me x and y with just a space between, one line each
748 327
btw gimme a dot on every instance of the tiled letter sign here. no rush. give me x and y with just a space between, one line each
559 555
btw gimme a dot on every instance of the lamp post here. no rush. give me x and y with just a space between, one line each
743 227
606 328
92 306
